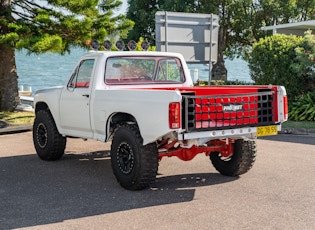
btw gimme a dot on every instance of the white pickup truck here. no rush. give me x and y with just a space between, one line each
146 105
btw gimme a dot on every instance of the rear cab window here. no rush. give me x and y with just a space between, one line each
143 70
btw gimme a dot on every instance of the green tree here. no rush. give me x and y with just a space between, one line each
139 43
50 26
240 20
142 13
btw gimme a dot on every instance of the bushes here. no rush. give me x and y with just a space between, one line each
304 64
288 61
271 60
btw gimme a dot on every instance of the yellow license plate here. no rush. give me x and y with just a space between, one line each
267 130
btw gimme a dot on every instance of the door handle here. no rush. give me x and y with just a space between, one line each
86 95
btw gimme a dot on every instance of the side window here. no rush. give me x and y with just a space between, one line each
82 76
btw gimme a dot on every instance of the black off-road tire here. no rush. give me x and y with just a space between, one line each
49 144
134 165
240 162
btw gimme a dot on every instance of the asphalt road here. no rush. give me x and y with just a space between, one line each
80 191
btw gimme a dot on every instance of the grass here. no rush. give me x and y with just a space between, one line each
18 117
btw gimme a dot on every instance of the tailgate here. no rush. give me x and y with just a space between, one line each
228 111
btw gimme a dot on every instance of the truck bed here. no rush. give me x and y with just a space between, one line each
219 107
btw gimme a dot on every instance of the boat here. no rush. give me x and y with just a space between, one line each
27 104
26 99
25 92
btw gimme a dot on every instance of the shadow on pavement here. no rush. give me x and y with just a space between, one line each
35 192
301 139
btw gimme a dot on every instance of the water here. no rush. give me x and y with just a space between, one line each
237 70
49 69
46 70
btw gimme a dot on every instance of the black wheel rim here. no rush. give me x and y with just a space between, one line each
42 135
125 158
222 158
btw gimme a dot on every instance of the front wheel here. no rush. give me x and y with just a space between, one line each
240 162
49 144
134 165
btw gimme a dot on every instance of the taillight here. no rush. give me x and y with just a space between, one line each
285 108
174 115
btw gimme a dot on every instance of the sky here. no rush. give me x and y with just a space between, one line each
123 8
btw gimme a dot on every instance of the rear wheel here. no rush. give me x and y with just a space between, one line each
240 162
49 144
134 165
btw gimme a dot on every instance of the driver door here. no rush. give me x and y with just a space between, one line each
75 101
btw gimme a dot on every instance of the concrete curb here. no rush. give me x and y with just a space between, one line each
15 129
298 131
